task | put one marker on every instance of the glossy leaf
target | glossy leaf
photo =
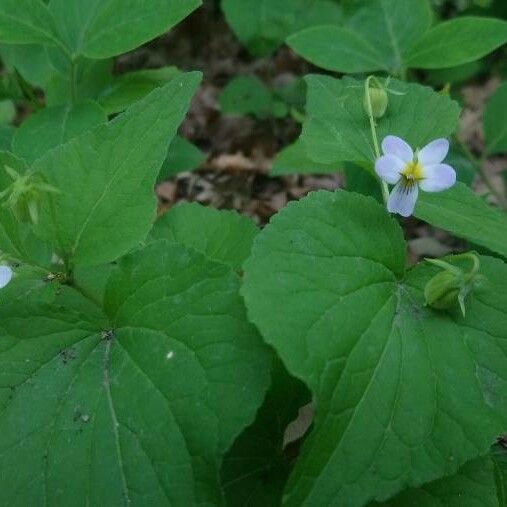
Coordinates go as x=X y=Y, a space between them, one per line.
x=337 y=127
x=458 y=41
x=53 y=127
x=105 y=28
x=480 y=223
x=221 y=235
x=404 y=394
x=106 y=202
x=117 y=403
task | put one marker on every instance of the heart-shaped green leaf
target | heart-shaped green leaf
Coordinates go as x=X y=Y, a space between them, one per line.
x=98 y=410
x=404 y=394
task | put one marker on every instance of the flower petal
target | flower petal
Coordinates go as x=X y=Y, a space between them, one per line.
x=434 y=152
x=392 y=145
x=402 y=198
x=437 y=177
x=389 y=167
x=5 y=276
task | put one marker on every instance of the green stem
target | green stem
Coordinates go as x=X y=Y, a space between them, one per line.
x=383 y=184
x=478 y=163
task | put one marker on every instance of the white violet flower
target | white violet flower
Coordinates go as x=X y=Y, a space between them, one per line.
x=408 y=172
x=5 y=275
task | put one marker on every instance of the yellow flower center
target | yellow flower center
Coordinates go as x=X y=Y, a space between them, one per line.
x=413 y=172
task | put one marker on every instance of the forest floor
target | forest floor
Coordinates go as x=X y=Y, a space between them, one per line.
x=240 y=149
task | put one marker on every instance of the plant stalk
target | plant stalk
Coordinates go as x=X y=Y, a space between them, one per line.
x=373 y=130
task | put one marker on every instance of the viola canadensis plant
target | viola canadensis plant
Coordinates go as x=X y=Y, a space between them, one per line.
x=196 y=358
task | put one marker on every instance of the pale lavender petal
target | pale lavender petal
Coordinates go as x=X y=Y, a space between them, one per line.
x=437 y=177
x=389 y=167
x=402 y=199
x=5 y=276
x=392 y=145
x=434 y=152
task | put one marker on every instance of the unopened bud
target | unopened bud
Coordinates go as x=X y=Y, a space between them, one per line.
x=442 y=291
x=451 y=286
x=378 y=100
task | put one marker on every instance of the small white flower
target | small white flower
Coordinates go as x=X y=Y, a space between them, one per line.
x=5 y=275
x=408 y=172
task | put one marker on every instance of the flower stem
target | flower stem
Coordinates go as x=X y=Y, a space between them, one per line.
x=383 y=184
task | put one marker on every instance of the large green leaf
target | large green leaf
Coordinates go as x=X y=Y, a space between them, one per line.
x=106 y=176
x=263 y=25
x=26 y=22
x=457 y=41
x=463 y=213
x=472 y=486
x=257 y=466
x=376 y=37
x=495 y=126
x=54 y=126
x=105 y=28
x=221 y=235
x=136 y=409
x=337 y=127
x=404 y=394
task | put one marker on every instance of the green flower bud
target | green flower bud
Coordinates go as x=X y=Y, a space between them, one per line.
x=442 y=291
x=378 y=100
x=451 y=286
